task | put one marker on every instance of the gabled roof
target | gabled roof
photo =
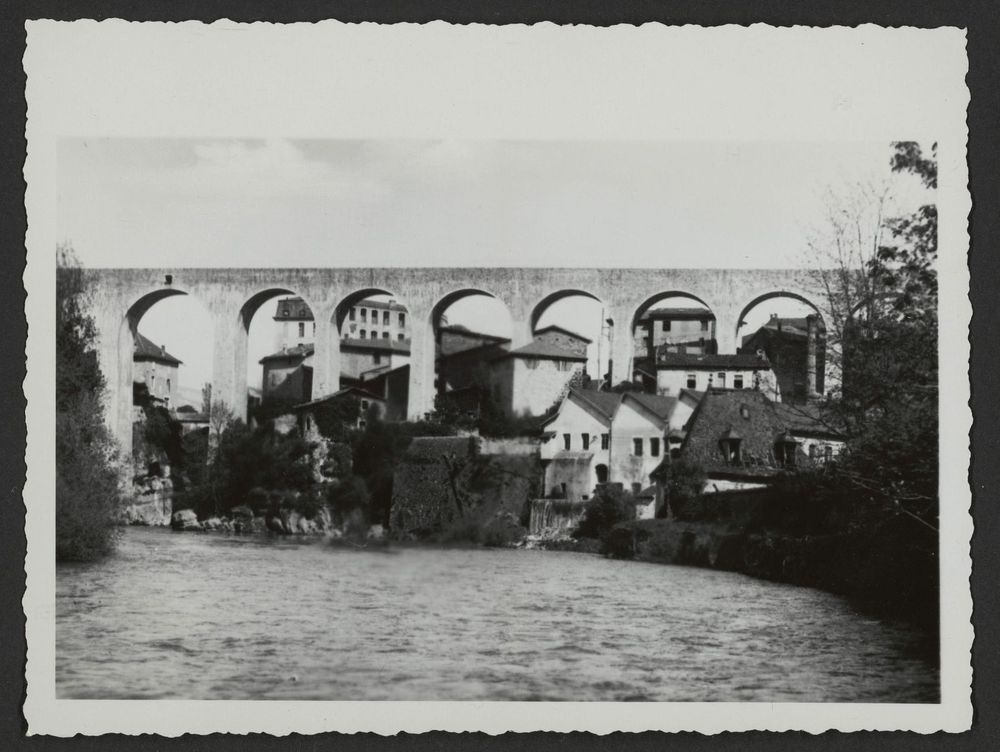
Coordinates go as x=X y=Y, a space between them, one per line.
x=746 y=415
x=376 y=345
x=146 y=349
x=605 y=404
x=660 y=406
x=337 y=395
x=809 y=419
x=542 y=351
x=745 y=361
x=555 y=328
x=303 y=350
x=677 y=314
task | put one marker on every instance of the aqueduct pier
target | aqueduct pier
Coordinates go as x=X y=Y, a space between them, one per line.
x=120 y=297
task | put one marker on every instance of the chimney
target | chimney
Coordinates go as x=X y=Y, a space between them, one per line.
x=811 y=357
x=163 y=349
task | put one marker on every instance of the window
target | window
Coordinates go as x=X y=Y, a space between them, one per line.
x=374 y=334
x=377 y=359
x=303 y=313
x=692 y=381
x=602 y=473
x=364 y=333
x=828 y=452
x=585 y=439
x=666 y=325
x=654 y=447
x=813 y=451
x=738 y=381
x=362 y=423
x=722 y=379
x=531 y=364
x=564 y=365
x=351 y=313
x=636 y=489
x=364 y=314
x=302 y=329
x=400 y=337
x=704 y=325
x=168 y=385
x=385 y=335
x=744 y=412
x=730 y=450
x=567 y=441
x=284 y=312
x=402 y=319
x=637 y=447
x=385 y=318
x=364 y=404
x=605 y=440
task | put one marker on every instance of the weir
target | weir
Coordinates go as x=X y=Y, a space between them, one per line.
x=120 y=297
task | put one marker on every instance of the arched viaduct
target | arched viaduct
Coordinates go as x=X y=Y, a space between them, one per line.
x=121 y=296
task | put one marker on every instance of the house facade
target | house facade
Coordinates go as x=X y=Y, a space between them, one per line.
x=287 y=375
x=676 y=371
x=689 y=330
x=156 y=369
x=796 y=349
x=531 y=379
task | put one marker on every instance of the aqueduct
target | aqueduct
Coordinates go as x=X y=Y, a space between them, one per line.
x=119 y=298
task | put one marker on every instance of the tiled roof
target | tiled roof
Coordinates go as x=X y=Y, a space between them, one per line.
x=605 y=403
x=676 y=360
x=661 y=406
x=337 y=395
x=555 y=328
x=379 y=345
x=543 y=350
x=747 y=415
x=677 y=313
x=299 y=351
x=292 y=309
x=146 y=349
x=809 y=419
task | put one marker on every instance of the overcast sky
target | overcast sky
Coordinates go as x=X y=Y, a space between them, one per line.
x=262 y=203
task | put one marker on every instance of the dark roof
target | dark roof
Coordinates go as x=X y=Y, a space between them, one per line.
x=605 y=403
x=666 y=359
x=292 y=309
x=146 y=349
x=299 y=351
x=337 y=395
x=472 y=340
x=809 y=420
x=677 y=314
x=185 y=417
x=661 y=406
x=554 y=327
x=790 y=328
x=491 y=348
x=744 y=414
x=380 y=345
x=542 y=350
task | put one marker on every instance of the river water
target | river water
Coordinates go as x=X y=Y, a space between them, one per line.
x=211 y=616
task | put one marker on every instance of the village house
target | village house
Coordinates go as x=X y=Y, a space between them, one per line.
x=531 y=379
x=741 y=440
x=368 y=319
x=796 y=349
x=817 y=432
x=357 y=407
x=288 y=375
x=597 y=438
x=676 y=371
x=156 y=370
x=682 y=330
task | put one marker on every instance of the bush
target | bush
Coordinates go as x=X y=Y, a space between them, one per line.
x=88 y=499
x=610 y=506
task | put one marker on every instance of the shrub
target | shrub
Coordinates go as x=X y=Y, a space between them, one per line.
x=610 y=506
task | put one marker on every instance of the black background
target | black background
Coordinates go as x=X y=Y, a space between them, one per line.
x=981 y=20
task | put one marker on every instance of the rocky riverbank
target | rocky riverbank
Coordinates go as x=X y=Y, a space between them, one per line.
x=242 y=520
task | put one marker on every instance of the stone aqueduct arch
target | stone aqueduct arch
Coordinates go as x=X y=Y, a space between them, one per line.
x=121 y=296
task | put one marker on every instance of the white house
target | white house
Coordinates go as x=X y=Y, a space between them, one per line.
x=677 y=371
x=530 y=379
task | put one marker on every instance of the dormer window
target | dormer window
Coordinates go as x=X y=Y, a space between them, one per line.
x=744 y=412
x=729 y=445
x=785 y=447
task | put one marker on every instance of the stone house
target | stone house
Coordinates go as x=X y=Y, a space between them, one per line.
x=156 y=369
x=741 y=372
x=690 y=330
x=819 y=433
x=796 y=349
x=741 y=440
x=366 y=406
x=288 y=375
x=531 y=379
x=368 y=319
x=606 y=437
x=563 y=339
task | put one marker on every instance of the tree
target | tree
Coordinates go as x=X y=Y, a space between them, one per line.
x=881 y=291
x=88 y=496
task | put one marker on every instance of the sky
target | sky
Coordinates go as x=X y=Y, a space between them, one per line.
x=260 y=203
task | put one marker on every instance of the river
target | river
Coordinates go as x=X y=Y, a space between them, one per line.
x=214 y=616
